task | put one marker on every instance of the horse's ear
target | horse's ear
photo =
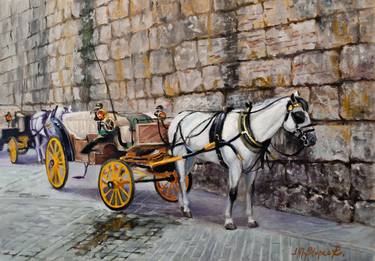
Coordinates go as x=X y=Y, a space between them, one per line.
x=54 y=111
x=292 y=97
x=69 y=109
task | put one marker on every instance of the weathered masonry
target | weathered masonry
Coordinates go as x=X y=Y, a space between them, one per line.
x=205 y=54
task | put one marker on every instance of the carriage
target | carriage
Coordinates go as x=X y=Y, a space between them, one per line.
x=17 y=135
x=131 y=148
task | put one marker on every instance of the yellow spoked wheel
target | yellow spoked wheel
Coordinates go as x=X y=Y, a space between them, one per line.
x=116 y=184
x=56 y=163
x=168 y=189
x=13 y=150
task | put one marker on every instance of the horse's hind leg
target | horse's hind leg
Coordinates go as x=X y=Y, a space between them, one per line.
x=182 y=195
x=234 y=178
x=250 y=178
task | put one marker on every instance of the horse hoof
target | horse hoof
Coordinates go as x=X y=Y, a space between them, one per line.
x=230 y=226
x=186 y=213
x=252 y=224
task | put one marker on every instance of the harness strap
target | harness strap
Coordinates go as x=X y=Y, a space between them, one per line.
x=247 y=134
x=215 y=135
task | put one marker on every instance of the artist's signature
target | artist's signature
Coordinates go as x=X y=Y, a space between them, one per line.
x=314 y=252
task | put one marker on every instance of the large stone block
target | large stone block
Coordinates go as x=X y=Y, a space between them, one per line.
x=128 y=71
x=121 y=27
x=142 y=21
x=330 y=178
x=194 y=26
x=331 y=208
x=171 y=85
x=220 y=23
x=358 y=100
x=167 y=12
x=316 y=68
x=365 y=213
x=358 y=62
x=324 y=102
x=251 y=45
x=212 y=51
x=296 y=174
x=209 y=101
x=154 y=38
x=366 y=25
x=326 y=7
x=157 y=86
x=102 y=52
x=362 y=145
x=186 y=55
x=190 y=81
x=201 y=6
x=292 y=38
x=275 y=12
x=139 y=42
x=119 y=48
x=138 y=6
x=223 y=5
x=338 y=30
x=141 y=66
x=118 y=9
x=161 y=61
x=364 y=4
x=171 y=34
x=332 y=143
x=101 y=15
x=302 y=9
x=268 y=73
x=105 y=35
x=212 y=77
x=363 y=181
x=250 y=17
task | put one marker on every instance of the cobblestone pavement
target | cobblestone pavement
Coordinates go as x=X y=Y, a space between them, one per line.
x=39 y=223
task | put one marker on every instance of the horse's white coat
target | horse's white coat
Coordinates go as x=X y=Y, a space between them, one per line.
x=264 y=124
x=40 y=133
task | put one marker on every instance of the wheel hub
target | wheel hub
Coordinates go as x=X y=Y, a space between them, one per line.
x=111 y=184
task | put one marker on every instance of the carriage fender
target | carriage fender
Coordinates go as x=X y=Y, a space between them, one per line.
x=63 y=136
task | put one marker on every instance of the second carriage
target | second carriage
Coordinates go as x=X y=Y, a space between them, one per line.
x=131 y=148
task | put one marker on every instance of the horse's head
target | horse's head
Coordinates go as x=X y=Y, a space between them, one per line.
x=59 y=111
x=297 y=120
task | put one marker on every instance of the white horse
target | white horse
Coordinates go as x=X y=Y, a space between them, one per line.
x=40 y=132
x=189 y=132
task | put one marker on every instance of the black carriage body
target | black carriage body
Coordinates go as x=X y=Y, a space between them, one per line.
x=15 y=132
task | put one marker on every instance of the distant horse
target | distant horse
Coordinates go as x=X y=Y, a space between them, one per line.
x=39 y=123
x=240 y=142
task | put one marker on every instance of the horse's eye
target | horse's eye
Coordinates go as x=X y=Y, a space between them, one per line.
x=298 y=117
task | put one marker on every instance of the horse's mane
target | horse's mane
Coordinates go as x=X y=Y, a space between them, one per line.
x=266 y=102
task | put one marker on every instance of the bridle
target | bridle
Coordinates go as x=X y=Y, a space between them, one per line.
x=301 y=131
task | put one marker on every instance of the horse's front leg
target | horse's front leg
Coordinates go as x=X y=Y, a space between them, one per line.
x=43 y=146
x=37 y=148
x=250 y=179
x=182 y=194
x=234 y=178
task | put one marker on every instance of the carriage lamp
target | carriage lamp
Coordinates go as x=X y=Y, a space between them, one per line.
x=8 y=118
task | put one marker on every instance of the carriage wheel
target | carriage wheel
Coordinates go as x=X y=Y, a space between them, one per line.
x=13 y=150
x=168 y=189
x=56 y=163
x=116 y=184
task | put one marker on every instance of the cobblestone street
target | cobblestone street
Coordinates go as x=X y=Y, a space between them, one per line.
x=39 y=223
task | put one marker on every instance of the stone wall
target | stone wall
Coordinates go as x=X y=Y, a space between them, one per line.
x=206 y=54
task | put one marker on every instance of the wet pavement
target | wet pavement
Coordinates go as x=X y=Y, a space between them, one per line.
x=40 y=223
